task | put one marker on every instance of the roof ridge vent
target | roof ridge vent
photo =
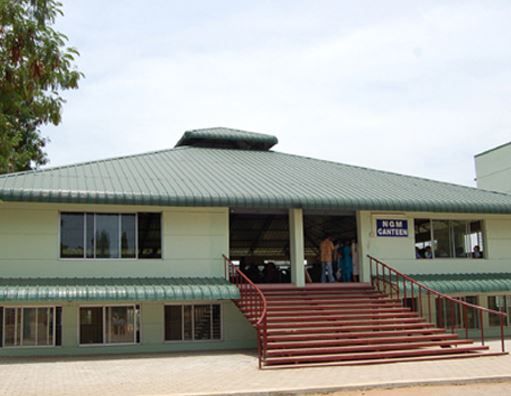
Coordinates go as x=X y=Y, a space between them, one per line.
x=227 y=138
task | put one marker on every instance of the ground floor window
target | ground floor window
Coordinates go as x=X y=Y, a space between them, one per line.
x=450 y=314
x=110 y=325
x=30 y=326
x=193 y=322
x=499 y=303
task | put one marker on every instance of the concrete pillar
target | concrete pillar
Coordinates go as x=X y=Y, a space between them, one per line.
x=363 y=239
x=296 y=247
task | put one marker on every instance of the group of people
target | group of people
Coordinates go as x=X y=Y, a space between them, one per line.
x=339 y=260
x=427 y=253
x=263 y=272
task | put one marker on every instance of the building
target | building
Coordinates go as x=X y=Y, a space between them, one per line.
x=125 y=255
x=493 y=169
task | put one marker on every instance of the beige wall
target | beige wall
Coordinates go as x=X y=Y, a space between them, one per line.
x=194 y=240
x=493 y=169
x=399 y=252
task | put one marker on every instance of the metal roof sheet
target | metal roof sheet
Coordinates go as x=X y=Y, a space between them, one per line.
x=115 y=289
x=468 y=283
x=205 y=176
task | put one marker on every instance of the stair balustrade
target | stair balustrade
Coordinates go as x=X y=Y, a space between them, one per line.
x=448 y=312
x=252 y=303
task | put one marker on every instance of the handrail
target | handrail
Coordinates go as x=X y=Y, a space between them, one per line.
x=394 y=278
x=252 y=303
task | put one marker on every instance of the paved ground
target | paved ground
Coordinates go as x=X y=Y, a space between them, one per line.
x=233 y=373
x=472 y=389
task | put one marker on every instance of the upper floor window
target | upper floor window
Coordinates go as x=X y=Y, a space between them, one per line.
x=448 y=239
x=110 y=235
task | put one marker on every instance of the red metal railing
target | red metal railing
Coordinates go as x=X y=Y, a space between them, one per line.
x=451 y=312
x=252 y=303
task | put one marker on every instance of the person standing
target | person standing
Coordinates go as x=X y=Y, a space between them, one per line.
x=326 y=249
x=346 y=263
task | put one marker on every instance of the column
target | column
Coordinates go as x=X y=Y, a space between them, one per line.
x=296 y=245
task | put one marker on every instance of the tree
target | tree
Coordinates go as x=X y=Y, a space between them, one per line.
x=35 y=66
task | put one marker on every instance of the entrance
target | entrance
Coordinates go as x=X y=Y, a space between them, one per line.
x=342 y=227
x=259 y=243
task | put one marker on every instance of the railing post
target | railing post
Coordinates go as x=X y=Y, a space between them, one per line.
x=429 y=306
x=482 y=328
x=453 y=317
x=502 y=332
x=413 y=298
x=420 y=303
x=404 y=291
x=371 y=271
x=465 y=319
x=377 y=265
x=397 y=284
x=440 y=313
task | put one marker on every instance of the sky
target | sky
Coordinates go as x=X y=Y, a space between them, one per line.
x=414 y=87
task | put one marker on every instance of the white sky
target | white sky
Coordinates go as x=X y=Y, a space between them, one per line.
x=406 y=86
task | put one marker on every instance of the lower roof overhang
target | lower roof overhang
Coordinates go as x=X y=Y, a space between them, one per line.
x=22 y=290
x=467 y=283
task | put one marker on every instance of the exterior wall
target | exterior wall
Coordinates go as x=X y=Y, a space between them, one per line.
x=193 y=242
x=400 y=252
x=493 y=169
x=237 y=333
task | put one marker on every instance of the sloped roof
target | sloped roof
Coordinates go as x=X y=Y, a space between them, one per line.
x=116 y=289
x=194 y=175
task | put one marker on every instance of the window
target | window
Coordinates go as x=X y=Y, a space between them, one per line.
x=499 y=303
x=109 y=325
x=110 y=235
x=193 y=322
x=448 y=239
x=30 y=326
x=450 y=314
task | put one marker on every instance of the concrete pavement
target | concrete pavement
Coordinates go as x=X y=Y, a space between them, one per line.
x=226 y=373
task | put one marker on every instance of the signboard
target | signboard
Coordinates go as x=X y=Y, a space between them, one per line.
x=391 y=228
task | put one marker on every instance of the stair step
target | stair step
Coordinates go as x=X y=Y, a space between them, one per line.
x=344 y=317
x=367 y=335
x=329 y=329
x=365 y=348
x=319 y=305
x=335 y=302
x=346 y=322
x=320 y=294
x=315 y=311
x=268 y=288
x=316 y=342
x=342 y=299
x=370 y=355
x=387 y=360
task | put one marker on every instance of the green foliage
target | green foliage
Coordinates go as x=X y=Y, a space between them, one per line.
x=35 y=66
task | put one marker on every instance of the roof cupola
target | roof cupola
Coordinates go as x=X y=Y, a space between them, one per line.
x=227 y=138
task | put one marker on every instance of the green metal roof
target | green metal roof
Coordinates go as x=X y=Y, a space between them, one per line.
x=115 y=289
x=209 y=176
x=227 y=138
x=466 y=283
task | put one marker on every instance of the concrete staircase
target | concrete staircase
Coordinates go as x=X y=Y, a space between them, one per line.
x=347 y=324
